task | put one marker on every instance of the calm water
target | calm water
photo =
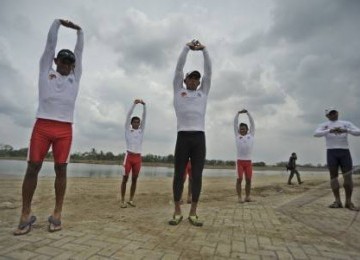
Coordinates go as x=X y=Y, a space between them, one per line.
x=17 y=168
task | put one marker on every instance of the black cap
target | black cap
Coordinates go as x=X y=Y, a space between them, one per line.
x=193 y=74
x=66 y=54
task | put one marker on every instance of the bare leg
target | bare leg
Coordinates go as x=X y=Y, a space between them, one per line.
x=238 y=189
x=133 y=187
x=247 y=189
x=189 y=191
x=193 y=208
x=334 y=183
x=123 y=187
x=60 y=188
x=28 y=188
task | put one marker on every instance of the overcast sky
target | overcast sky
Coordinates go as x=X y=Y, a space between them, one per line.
x=285 y=61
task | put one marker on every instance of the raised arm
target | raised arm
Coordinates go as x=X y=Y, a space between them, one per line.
x=128 y=116
x=48 y=55
x=78 y=54
x=143 y=119
x=236 y=123
x=252 y=124
x=206 y=80
x=179 y=70
x=79 y=46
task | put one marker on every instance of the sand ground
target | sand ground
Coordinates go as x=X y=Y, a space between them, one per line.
x=284 y=222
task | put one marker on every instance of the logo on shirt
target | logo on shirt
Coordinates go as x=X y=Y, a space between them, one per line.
x=52 y=76
x=71 y=80
x=183 y=94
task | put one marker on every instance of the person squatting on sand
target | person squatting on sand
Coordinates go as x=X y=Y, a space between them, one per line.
x=338 y=155
x=190 y=108
x=58 y=90
x=134 y=135
x=244 y=140
x=292 y=167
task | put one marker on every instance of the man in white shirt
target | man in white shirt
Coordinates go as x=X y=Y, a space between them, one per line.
x=190 y=108
x=338 y=155
x=244 y=144
x=58 y=90
x=134 y=134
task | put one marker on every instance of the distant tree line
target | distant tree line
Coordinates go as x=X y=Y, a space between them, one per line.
x=94 y=156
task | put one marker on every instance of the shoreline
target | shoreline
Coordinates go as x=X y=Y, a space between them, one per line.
x=168 y=165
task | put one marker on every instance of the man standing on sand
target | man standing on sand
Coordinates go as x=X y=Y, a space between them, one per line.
x=292 y=167
x=244 y=143
x=132 y=162
x=338 y=155
x=190 y=108
x=58 y=90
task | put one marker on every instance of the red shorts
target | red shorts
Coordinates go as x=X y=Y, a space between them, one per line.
x=52 y=133
x=244 y=166
x=132 y=162
x=187 y=170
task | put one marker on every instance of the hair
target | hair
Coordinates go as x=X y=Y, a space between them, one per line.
x=134 y=118
x=245 y=125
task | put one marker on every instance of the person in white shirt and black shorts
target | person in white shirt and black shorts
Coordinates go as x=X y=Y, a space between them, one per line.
x=338 y=155
x=190 y=108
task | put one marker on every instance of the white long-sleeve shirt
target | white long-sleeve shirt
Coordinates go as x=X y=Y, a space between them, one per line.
x=336 y=141
x=57 y=93
x=190 y=105
x=244 y=143
x=134 y=137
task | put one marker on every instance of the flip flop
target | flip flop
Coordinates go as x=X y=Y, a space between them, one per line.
x=54 y=224
x=25 y=227
x=335 y=205
x=352 y=207
x=194 y=220
x=175 y=220
x=131 y=203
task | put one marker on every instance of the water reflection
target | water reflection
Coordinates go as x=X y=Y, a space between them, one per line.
x=17 y=168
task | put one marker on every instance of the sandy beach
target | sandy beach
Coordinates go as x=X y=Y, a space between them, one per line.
x=284 y=222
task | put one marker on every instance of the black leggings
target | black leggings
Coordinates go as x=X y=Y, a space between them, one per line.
x=189 y=144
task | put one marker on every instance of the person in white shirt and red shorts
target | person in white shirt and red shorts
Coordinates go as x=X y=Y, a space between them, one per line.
x=244 y=140
x=58 y=90
x=134 y=134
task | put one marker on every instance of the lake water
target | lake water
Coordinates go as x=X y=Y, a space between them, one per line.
x=17 y=169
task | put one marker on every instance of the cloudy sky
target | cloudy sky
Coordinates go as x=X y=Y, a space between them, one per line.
x=285 y=61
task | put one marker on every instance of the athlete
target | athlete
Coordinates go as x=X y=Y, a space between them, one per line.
x=132 y=161
x=58 y=90
x=244 y=143
x=190 y=107
x=338 y=155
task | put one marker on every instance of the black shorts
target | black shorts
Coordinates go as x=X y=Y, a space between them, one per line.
x=339 y=157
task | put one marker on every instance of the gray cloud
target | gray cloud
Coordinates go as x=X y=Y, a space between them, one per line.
x=285 y=61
